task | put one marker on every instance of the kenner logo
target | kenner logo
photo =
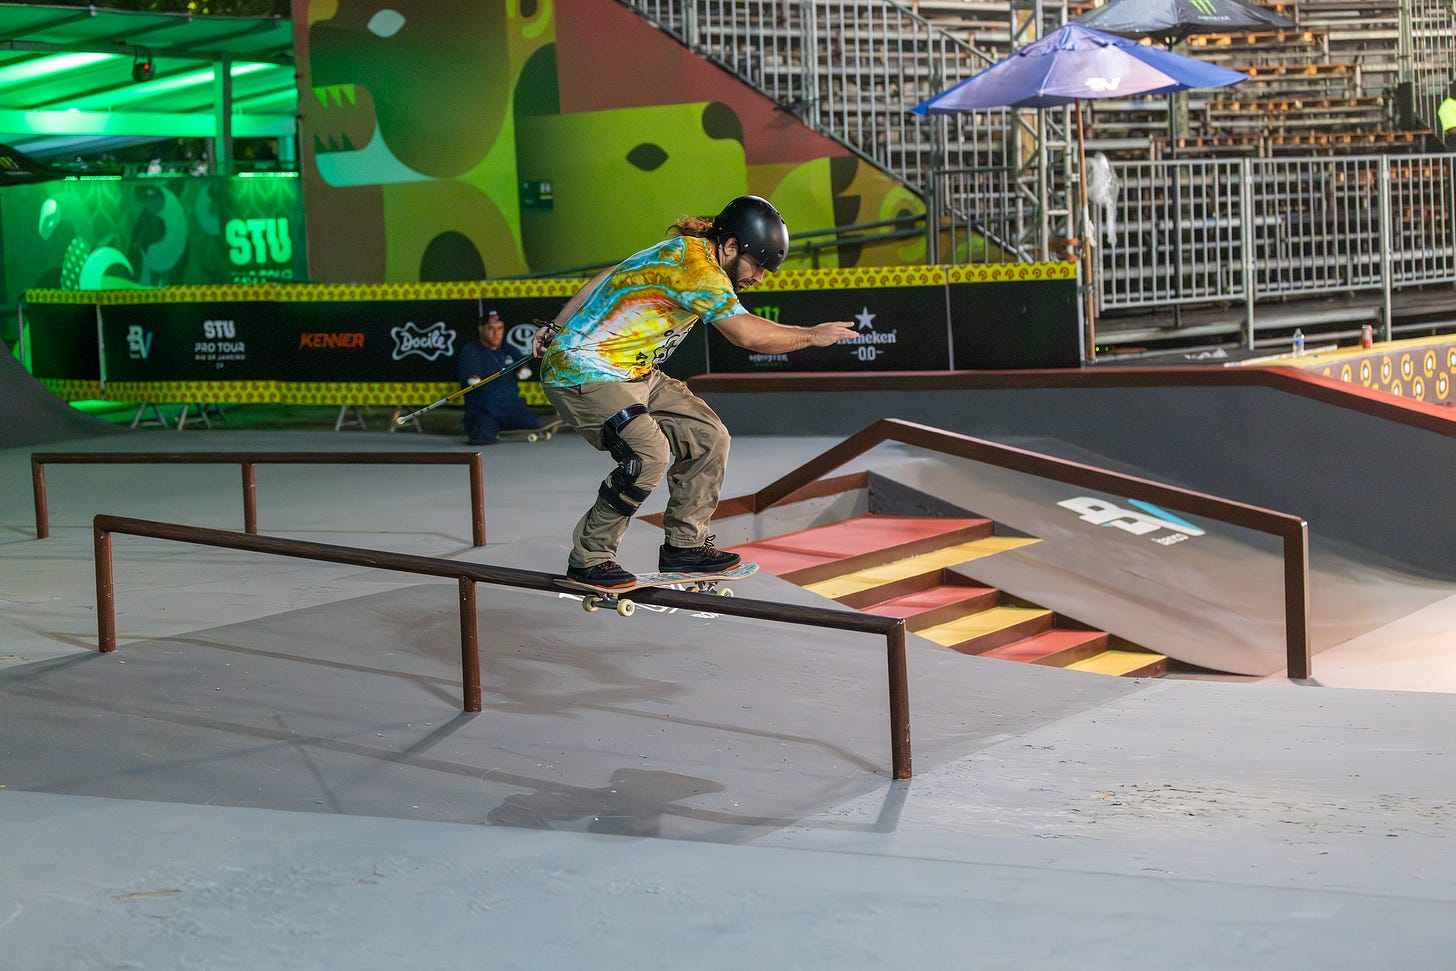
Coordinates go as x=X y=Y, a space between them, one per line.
x=1150 y=519
x=428 y=343
x=138 y=342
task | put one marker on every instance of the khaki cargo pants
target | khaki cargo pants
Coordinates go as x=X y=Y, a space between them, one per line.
x=679 y=437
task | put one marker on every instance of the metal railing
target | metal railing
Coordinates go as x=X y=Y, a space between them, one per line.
x=1243 y=230
x=1186 y=231
x=39 y=460
x=1291 y=530
x=469 y=574
x=846 y=68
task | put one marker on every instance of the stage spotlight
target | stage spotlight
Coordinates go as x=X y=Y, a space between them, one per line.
x=142 y=68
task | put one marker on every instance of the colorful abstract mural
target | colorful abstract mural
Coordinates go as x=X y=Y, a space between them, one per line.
x=496 y=138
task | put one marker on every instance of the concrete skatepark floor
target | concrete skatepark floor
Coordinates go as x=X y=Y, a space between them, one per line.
x=273 y=770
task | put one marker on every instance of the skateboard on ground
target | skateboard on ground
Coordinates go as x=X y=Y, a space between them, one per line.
x=542 y=433
x=615 y=598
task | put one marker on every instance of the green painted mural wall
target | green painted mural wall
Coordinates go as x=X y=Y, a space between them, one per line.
x=432 y=130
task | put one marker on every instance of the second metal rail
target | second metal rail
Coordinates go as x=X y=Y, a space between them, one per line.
x=1293 y=531
x=248 y=460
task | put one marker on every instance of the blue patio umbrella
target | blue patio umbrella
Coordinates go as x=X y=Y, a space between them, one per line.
x=1067 y=66
x=1073 y=63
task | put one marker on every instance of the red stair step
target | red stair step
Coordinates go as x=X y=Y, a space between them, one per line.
x=1056 y=648
x=842 y=544
x=935 y=605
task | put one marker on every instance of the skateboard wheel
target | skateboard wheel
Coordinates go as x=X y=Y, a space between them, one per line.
x=625 y=607
x=547 y=436
x=532 y=437
x=726 y=592
x=589 y=604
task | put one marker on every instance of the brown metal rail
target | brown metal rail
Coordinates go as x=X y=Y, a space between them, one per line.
x=469 y=574
x=1293 y=530
x=39 y=460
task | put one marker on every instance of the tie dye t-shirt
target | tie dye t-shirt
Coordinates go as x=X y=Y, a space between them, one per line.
x=639 y=314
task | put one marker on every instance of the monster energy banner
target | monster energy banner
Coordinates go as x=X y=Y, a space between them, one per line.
x=17 y=168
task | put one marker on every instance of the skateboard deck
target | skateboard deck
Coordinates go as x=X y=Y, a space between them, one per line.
x=541 y=433
x=692 y=582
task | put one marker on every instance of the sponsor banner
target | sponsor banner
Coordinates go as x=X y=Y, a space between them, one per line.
x=901 y=328
x=1005 y=324
x=61 y=342
x=405 y=341
x=184 y=342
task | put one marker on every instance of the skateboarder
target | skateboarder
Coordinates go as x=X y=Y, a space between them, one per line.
x=497 y=406
x=600 y=372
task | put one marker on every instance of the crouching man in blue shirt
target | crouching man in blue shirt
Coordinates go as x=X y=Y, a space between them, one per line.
x=498 y=406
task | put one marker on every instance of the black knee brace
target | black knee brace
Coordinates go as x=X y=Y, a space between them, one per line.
x=620 y=490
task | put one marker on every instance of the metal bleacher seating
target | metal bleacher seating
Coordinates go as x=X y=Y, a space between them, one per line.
x=1324 y=84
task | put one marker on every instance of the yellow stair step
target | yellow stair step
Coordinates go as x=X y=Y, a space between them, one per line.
x=1119 y=663
x=980 y=624
x=841 y=586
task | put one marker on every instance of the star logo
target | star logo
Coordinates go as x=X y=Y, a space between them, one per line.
x=866 y=319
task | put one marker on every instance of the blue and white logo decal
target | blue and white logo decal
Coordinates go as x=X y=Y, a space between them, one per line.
x=1143 y=519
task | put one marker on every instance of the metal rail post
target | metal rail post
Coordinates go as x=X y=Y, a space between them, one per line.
x=105 y=594
x=469 y=645
x=477 y=500
x=38 y=490
x=250 y=499
x=899 y=702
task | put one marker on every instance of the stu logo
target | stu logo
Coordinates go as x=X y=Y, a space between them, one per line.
x=258 y=241
x=432 y=342
x=1146 y=518
x=138 y=342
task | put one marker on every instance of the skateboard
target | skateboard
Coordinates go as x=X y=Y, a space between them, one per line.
x=597 y=597
x=543 y=433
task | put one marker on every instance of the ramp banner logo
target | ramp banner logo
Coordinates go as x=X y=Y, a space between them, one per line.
x=430 y=343
x=1144 y=519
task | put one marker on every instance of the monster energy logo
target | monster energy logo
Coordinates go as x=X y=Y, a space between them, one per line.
x=1204 y=7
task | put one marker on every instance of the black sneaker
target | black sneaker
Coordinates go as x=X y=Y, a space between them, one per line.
x=608 y=575
x=696 y=559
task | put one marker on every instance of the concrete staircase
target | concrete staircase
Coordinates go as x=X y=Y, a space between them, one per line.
x=900 y=566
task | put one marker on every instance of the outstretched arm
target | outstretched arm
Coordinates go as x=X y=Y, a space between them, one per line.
x=765 y=336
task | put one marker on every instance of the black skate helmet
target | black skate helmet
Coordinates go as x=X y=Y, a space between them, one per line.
x=758 y=227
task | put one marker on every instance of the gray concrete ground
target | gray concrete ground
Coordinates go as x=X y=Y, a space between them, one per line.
x=273 y=770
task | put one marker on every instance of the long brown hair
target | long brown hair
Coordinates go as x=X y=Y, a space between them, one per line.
x=699 y=226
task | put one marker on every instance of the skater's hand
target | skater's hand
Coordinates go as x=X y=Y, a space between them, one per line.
x=822 y=335
x=545 y=334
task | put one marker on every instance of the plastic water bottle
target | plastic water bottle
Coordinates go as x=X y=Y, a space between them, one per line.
x=1298 y=342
